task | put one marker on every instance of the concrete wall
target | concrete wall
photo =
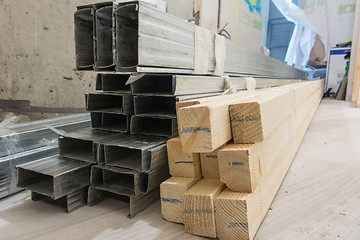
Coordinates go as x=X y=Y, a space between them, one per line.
x=37 y=58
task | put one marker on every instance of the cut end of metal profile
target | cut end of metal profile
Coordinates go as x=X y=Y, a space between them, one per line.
x=78 y=149
x=154 y=85
x=155 y=106
x=53 y=177
x=84 y=48
x=137 y=152
x=113 y=82
x=84 y=145
x=119 y=180
x=104 y=39
x=109 y=102
x=127 y=22
x=123 y=157
x=69 y=202
x=110 y=122
x=137 y=204
x=166 y=127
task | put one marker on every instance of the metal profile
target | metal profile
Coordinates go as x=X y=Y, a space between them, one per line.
x=111 y=122
x=148 y=40
x=8 y=163
x=161 y=106
x=70 y=202
x=137 y=152
x=155 y=106
x=136 y=203
x=54 y=177
x=157 y=126
x=109 y=102
x=178 y=85
x=84 y=43
x=83 y=145
x=113 y=82
x=125 y=181
x=103 y=36
x=26 y=136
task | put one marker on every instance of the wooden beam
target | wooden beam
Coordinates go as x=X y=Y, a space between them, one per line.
x=210 y=164
x=243 y=166
x=172 y=193
x=199 y=212
x=182 y=164
x=354 y=50
x=253 y=119
x=239 y=215
x=205 y=127
x=356 y=87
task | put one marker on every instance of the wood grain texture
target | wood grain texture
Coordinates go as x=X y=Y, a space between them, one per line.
x=205 y=127
x=210 y=164
x=356 y=87
x=199 y=212
x=182 y=164
x=253 y=119
x=239 y=215
x=243 y=166
x=354 y=49
x=172 y=193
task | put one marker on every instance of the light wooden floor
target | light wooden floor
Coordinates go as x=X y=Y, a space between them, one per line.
x=319 y=198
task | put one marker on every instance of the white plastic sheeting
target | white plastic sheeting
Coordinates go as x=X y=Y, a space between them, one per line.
x=303 y=38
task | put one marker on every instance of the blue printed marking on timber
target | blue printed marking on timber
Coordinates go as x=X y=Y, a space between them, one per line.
x=236 y=163
x=248 y=118
x=171 y=200
x=195 y=129
x=254 y=5
x=237 y=224
x=211 y=156
x=186 y=162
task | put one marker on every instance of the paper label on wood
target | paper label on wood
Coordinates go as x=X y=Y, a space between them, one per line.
x=220 y=52
x=202 y=50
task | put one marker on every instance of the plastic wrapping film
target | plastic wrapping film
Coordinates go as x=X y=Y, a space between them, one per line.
x=230 y=88
x=30 y=141
x=303 y=37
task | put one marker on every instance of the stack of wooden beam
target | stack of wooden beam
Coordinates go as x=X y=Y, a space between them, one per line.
x=232 y=155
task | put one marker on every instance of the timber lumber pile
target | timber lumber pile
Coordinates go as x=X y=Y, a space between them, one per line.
x=246 y=142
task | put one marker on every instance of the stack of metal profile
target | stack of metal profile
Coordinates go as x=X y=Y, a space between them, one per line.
x=55 y=180
x=30 y=141
x=125 y=166
x=131 y=36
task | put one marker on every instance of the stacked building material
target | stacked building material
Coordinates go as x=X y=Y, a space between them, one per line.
x=246 y=143
x=141 y=53
x=128 y=167
x=30 y=141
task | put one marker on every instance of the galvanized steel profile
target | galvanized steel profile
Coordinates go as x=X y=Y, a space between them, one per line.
x=158 y=126
x=148 y=40
x=138 y=152
x=54 y=177
x=70 y=202
x=137 y=203
x=83 y=145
